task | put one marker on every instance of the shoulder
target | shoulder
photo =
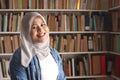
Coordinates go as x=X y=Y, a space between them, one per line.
x=16 y=56
x=55 y=53
x=53 y=50
x=17 y=53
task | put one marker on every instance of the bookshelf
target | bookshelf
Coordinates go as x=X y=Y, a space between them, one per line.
x=115 y=10
x=101 y=34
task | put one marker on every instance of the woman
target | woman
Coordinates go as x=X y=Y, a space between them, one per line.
x=35 y=59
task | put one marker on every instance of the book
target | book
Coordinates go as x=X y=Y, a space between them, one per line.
x=14 y=23
x=15 y=42
x=109 y=65
x=81 y=73
x=0 y=22
x=82 y=22
x=68 y=37
x=11 y=4
x=96 y=65
x=103 y=64
x=3 y=4
x=87 y=23
x=85 y=47
x=15 y=4
x=70 y=67
x=7 y=44
x=90 y=63
x=46 y=2
x=1 y=45
x=78 y=43
x=3 y=65
x=18 y=22
x=90 y=43
x=115 y=42
x=79 y=23
x=23 y=4
x=77 y=66
x=99 y=39
x=73 y=66
x=104 y=42
x=84 y=66
x=78 y=4
x=107 y=21
x=65 y=66
x=83 y=4
x=119 y=43
x=7 y=67
x=5 y=22
x=10 y=21
x=116 y=69
x=20 y=4
x=93 y=4
x=1 y=74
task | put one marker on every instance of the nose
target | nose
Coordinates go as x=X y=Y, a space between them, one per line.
x=39 y=29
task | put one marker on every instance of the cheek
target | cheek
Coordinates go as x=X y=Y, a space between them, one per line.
x=32 y=34
x=47 y=29
x=47 y=32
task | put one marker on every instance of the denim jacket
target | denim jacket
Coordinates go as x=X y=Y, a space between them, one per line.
x=33 y=71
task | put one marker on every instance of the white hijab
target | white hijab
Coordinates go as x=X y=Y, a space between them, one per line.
x=28 y=49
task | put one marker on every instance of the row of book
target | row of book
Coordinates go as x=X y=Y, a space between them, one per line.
x=4 y=65
x=116 y=68
x=10 y=22
x=79 y=42
x=79 y=66
x=116 y=21
x=115 y=43
x=102 y=78
x=114 y=3
x=69 y=42
x=63 y=43
x=86 y=65
x=54 y=4
x=80 y=22
x=9 y=44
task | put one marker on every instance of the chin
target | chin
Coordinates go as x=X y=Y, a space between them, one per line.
x=40 y=41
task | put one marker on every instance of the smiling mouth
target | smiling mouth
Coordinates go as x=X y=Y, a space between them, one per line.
x=41 y=35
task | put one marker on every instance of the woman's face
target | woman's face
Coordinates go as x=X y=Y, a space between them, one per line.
x=39 y=30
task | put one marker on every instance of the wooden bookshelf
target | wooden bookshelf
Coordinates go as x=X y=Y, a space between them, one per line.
x=51 y=10
x=5 y=55
x=116 y=78
x=4 y=79
x=93 y=12
x=115 y=53
x=86 y=77
x=115 y=10
x=114 y=32
x=61 y=32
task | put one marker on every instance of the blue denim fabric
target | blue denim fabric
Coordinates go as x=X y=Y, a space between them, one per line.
x=33 y=71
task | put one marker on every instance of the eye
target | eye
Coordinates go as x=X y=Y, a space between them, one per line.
x=34 y=26
x=43 y=24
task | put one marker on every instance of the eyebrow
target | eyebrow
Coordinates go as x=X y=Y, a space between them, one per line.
x=34 y=24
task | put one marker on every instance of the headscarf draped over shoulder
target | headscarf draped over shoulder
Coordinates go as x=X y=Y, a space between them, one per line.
x=25 y=40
